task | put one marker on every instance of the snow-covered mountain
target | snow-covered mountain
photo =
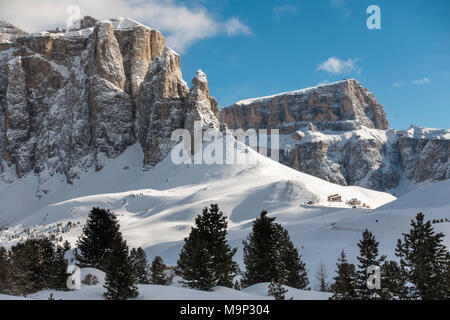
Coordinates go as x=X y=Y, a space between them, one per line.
x=339 y=132
x=9 y=32
x=68 y=100
x=98 y=134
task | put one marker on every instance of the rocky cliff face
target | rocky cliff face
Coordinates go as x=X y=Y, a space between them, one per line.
x=10 y=33
x=338 y=132
x=342 y=105
x=68 y=100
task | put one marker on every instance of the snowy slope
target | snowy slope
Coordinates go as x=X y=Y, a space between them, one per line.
x=156 y=208
x=174 y=292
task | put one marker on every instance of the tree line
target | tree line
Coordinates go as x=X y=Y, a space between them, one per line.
x=421 y=272
x=206 y=261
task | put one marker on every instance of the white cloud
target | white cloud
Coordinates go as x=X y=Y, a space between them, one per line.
x=323 y=82
x=284 y=9
x=234 y=27
x=413 y=82
x=342 y=5
x=420 y=81
x=181 y=25
x=337 y=66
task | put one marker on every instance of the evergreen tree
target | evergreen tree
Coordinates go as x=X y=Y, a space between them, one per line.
x=262 y=255
x=99 y=232
x=202 y=276
x=5 y=272
x=158 y=271
x=26 y=267
x=393 y=283
x=139 y=260
x=322 y=278
x=120 y=279
x=423 y=261
x=270 y=254
x=296 y=275
x=277 y=291
x=368 y=248
x=344 y=287
x=446 y=277
x=61 y=264
x=207 y=240
x=36 y=265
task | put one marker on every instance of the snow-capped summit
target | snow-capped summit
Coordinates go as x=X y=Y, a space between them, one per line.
x=9 y=32
x=108 y=85
x=339 y=132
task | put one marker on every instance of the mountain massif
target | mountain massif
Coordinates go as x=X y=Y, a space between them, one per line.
x=339 y=132
x=69 y=100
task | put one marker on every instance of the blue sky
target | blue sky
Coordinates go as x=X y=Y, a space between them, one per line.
x=251 y=48
x=406 y=64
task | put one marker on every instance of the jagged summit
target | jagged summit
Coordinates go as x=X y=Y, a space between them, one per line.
x=71 y=99
x=9 y=32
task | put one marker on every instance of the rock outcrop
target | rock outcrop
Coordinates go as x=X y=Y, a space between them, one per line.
x=338 y=132
x=342 y=105
x=70 y=100
x=10 y=33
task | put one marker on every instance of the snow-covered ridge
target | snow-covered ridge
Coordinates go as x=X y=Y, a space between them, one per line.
x=290 y=93
x=425 y=133
x=121 y=23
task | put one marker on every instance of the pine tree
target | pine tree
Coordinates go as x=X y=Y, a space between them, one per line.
x=344 y=287
x=208 y=240
x=423 y=260
x=139 y=260
x=120 y=279
x=277 y=291
x=26 y=264
x=98 y=234
x=393 y=283
x=446 y=278
x=158 y=272
x=37 y=264
x=270 y=254
x=262 y=255
x=321 y=277
x=368 y=248
x=57 y=271
x=5 y=272
x=296 y=275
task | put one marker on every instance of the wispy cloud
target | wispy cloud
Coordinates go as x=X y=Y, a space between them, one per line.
x=417 y=82
x=181 y=25
x=234 y=26
x=420 y=81
x=342 y=5
x=337 y=66
x=323 y=82
x=279 y=11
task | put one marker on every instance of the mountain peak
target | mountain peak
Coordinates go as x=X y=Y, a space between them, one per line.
x=9 y=32
x=345 y=104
